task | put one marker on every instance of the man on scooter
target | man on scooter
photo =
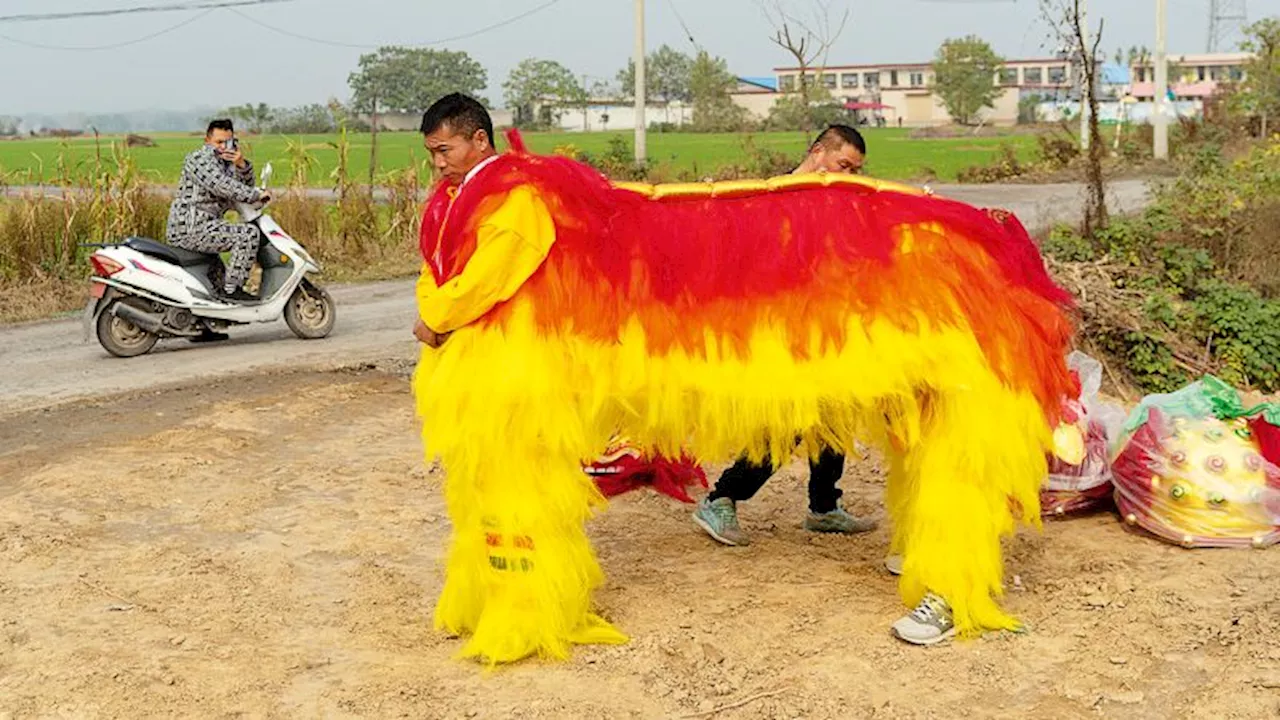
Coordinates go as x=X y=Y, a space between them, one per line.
x=214 y=178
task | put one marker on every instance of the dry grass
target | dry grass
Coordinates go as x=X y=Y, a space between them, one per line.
x=38 y=298
x=1109 y=304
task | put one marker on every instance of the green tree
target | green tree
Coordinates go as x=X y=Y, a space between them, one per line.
x=408 y=80
x=666 y=75
x=304 y=119
x=253 y=118
x=710 y=83
x=1259 y=93
x=1027 y=108
x=794 y=112
x=964 y=72
x=544 y=87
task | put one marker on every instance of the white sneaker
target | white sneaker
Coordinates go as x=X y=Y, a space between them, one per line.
x=929 y=624
x=893 y=564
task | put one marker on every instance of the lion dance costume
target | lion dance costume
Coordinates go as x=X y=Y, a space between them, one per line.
x=1080 y=467
x=1198 y=468
x=715 y=319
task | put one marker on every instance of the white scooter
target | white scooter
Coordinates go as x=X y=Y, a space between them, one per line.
x=143 y=290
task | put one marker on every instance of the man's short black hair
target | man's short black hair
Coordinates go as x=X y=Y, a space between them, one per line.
x=836 y=135
x=219 y=124
x=464 y=115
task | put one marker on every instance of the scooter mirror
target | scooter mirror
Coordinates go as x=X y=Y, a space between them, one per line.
x=266 y=175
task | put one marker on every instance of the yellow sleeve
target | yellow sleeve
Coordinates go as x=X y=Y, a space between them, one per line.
x=510 y=246
x=426 y=285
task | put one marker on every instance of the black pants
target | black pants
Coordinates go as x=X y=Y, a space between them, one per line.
x=744 y=480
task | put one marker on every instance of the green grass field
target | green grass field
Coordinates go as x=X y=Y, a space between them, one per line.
x=892 y=154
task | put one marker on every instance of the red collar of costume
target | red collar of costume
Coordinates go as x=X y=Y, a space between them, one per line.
x=447 y=239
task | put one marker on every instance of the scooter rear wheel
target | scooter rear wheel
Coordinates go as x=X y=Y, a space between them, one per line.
x=121 y=337
x=310 y=312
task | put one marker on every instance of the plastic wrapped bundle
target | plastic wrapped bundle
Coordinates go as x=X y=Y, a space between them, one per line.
x=1080 y=467
x=1199 y=469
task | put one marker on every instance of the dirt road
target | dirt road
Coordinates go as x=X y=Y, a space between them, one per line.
x=229 y=540
x=270 y=547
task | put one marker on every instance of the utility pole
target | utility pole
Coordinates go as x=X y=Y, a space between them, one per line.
x=1086 y=50
x=373 y=147
x=640 y=82
x=1160 y=119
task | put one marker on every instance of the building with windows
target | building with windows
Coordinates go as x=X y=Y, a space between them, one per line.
x=902 y=94
x=1191 y=77
x=756 y=94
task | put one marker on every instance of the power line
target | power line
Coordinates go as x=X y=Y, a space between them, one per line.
x=209 y=8
x=359 y=46
x=176 y=7
x=687 y=32
x=112 y=46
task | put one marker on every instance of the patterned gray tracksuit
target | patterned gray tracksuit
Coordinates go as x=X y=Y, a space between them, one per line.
x=210 y=187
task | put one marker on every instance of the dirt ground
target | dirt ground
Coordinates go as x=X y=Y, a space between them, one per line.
x=270 y=547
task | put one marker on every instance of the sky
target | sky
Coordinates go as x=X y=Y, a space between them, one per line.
x=221 y=58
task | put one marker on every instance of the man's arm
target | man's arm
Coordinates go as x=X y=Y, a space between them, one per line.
x=425 y=286
x=245 y=173
x=511 y=245
x=206 y=171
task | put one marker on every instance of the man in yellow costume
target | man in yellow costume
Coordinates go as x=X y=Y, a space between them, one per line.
x=557 y=309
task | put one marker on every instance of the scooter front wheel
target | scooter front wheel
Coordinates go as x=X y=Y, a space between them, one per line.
x=310 y=312
x=121 y=337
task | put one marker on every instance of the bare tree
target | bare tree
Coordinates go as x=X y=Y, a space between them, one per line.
x=1066 y=18
x=807 y=40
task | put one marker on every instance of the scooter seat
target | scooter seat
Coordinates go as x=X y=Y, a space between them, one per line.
x=169 y=253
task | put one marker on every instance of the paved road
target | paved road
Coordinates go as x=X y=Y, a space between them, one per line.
x=1039 y=206
x=47 y=363
x=1035 y=205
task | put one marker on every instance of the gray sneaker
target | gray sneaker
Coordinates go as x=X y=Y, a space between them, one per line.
x=719 y=518
x=893 y=564
x=838 y=521
x=929 y=624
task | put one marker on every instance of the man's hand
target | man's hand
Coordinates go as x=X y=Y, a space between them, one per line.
x=264 y=197
x=235 y=157
x=428 y=336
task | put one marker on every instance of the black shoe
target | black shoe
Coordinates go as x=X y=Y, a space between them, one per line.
x=209 y=336
x=238 y=296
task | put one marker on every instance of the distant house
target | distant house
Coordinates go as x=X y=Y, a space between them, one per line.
x=1193 y=77
x=1115 y=81
x=756 y=94
x=1128 y=93
x=902 y=93
x=620 y=114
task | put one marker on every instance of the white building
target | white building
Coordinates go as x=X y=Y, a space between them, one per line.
x=621 y=115
x=902 y=93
